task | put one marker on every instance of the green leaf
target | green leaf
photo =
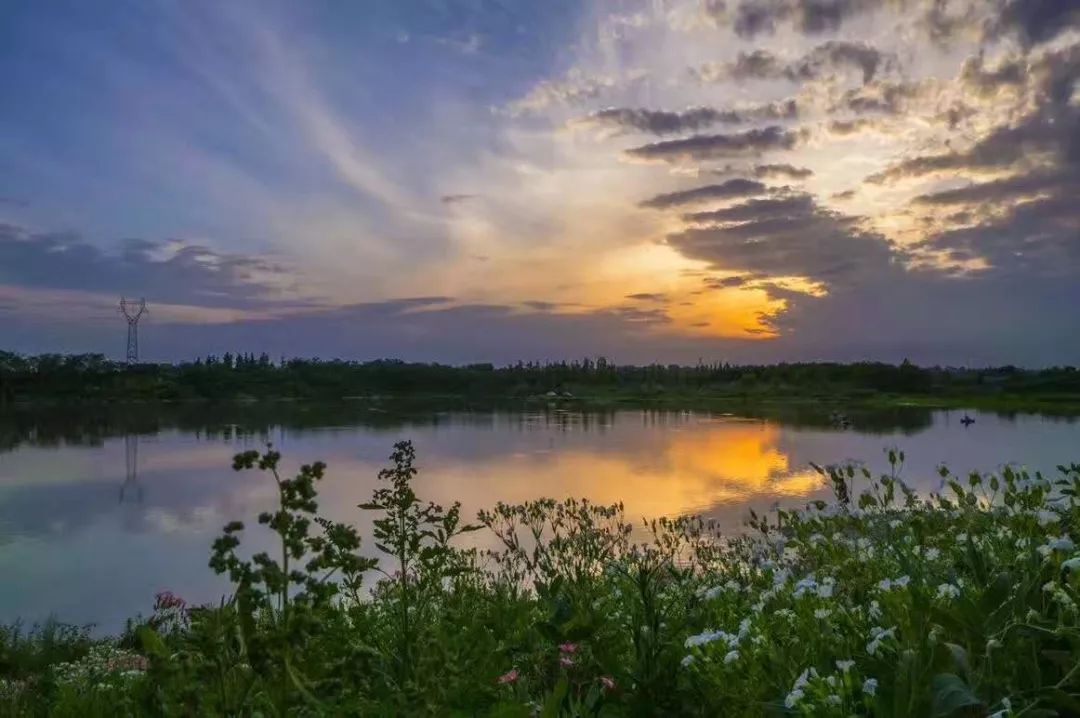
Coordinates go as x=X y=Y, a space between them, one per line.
x=953 y=697
x=151 y=642
x=553 y=705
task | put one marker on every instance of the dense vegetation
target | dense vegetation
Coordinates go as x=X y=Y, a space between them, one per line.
x=881 y=603
x=92 y=377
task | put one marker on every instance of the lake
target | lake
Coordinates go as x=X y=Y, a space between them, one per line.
x=102 y=508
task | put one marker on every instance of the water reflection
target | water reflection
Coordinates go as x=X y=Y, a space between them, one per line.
x=131 y=487
x=68 y=546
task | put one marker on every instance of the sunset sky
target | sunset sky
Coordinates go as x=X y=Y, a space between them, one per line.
x=493 y=180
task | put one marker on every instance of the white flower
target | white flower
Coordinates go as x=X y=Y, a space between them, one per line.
x=1072 y=564
x=869 y=686
x=792 y=698
x=932 y=554
x=822 y=613
x=1062 y=543
x=948 y=590
x=875 y=611
x=884 y=584
x=895 y=524
x=731 y=657
x=687 y=660
x=834 y=700
x=828 y=585
x=1046 y=517
x=961 y=537
x=733 y=585
x=902 y=581
x=804 y=585
x=845 y=666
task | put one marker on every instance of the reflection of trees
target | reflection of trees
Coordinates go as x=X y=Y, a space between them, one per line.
x=91 y=425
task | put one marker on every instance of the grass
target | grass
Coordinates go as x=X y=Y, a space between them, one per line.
x=882 y=602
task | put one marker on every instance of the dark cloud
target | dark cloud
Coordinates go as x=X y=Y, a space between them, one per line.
x=648 y=297
x=792 y=206
x=803 y=240
x=180 y=274
x=1038 y=21
x=987 y=82
x=1040 y=137
x=819 y=62
x=782 y=170
x=456 y=198
x=705 y=147
x=732 y=188
x=751 y=18
x=885 y=97
x=998 y=191
x=661 y=122
x=540 y=305
x=733 y=282
x=837 y=54
x=851 y=127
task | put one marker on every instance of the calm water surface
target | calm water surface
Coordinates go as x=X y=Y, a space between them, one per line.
x=101 y=509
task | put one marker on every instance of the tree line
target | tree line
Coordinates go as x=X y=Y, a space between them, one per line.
x=89 y=377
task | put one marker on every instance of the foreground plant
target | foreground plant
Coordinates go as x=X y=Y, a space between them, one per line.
x=884 y=602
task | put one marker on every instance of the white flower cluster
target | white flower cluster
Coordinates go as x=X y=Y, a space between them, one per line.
x=878 y=635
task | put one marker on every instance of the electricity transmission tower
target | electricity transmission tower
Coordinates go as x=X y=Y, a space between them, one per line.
x=132 y=310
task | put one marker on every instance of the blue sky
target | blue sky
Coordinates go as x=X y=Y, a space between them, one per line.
x=665 y=180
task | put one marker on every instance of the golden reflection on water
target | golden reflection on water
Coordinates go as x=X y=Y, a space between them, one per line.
x=664 y=473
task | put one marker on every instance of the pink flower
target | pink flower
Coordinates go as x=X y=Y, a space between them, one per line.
x=510 y=676
x=608 y=682
x=167 y=599
x=567 y=647
x=566 y=661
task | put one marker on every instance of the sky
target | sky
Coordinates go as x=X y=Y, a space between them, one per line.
x=500 y=180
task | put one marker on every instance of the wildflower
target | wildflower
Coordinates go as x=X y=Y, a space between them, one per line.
x=822 y=613
x=828 y=585
x=961 y=537
x=792 y=698
x=733 y=585
x=895 y=524
x=845 y=666
x=567 y=647
x=932 y=554
x=607 y=682
x=1046 y=517
x=948 y=591
x=687 y=660
x=566 y=661
x=869 y=686
x=510 y=676
x=834 y=700
x=875 y=611
x=805 y=585
x=902 y=581
x=1062 y=543
x=731 y=657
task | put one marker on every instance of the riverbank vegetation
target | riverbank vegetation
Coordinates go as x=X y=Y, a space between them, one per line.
x=88 y=378
x=882 y=602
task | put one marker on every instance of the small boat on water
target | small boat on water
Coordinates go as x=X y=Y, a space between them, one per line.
x=967 y=420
